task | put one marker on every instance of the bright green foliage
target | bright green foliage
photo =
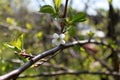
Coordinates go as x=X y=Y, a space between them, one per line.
x=38 y=40
x=29 y=26
x=14 y=48
x=20 y=42
x=16 y=45
x=57 y=4
x=10 y=21
x=39 y=35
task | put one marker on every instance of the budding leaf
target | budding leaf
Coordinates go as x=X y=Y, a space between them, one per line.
x=47 y=9
x=19 y=42
x=17 y=45
x=12 y=47
x=91 y=34
x=57 y=4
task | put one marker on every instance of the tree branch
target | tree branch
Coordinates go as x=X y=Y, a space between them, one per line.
x=15 y=73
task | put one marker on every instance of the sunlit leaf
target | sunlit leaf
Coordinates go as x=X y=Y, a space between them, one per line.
x=10 y=21
x=67 y=37
x=29 y=26
x=39 y=35
x=19 y=43
x=12 y=47
x=57 y=4
x=3 y=68
x=82 y=49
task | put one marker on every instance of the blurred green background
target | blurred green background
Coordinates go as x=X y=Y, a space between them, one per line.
x=23 y=16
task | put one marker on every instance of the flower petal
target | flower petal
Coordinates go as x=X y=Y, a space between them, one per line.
x=54 y=41
x=62 y=36
x=55 y=36
x=62 y=42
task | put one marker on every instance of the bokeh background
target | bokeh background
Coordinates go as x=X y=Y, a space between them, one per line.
x=23 y=16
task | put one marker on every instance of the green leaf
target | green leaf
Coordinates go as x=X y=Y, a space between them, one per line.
x=16 y=45
x=19 y=43
x=47 y=9
x=57 y=4
x=80 y=17
x=12 y=47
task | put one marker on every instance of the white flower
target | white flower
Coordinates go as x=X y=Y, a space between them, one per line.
x=58 y=39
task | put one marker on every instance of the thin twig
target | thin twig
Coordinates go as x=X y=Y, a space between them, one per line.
x=15 y=28
x=103 y=63
x=59 y=73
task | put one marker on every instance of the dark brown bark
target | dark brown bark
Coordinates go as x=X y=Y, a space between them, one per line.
x=113 y=20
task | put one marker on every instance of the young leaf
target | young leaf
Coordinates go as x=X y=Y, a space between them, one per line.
x=19 y=43
x=12 y=47
x=80 y=17
x=47 y=9
x=91 y=34
x=57 y=4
